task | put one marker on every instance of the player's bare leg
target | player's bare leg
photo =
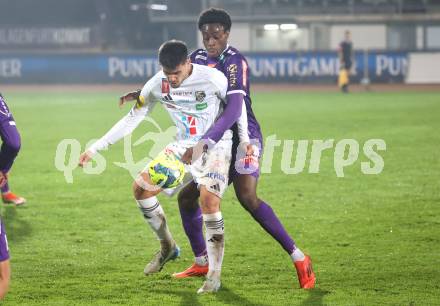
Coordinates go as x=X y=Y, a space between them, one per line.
x=215 y=242
x=145 y=194
x=245 y=186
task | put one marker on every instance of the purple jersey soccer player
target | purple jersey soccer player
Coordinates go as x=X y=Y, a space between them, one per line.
x=5 y=271
x=215 y=25
x=9 y=150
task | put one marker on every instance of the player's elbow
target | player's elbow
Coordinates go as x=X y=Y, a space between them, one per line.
x=13 y=145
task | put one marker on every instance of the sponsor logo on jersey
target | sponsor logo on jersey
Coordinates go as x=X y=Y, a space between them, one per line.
x=232 y=69
x=182 y=93
x=201 y=106
x=200 y=96
x=190 y=125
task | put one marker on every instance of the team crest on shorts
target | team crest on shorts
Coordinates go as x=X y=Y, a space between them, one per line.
x=200 y=96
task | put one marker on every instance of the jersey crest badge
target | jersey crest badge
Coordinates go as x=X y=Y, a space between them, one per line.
x=200 y=96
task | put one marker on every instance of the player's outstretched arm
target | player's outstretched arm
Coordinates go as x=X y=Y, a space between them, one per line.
x=129 y=96
x=228 y=117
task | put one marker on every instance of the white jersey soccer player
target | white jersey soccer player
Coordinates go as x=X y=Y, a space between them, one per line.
x=192 y=95
x=193 y=107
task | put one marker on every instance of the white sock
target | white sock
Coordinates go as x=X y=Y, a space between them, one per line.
x=155 y=217
x=297 y=255
x=215 y=242
x=201 y=260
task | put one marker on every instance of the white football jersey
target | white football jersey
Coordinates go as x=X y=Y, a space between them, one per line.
x=193 y=106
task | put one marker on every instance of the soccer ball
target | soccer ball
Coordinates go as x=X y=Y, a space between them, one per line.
x=166 y=170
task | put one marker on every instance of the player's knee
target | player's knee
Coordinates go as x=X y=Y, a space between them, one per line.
x=186 y=200
x=188 y=197
x=140 y=193
x=137 y=190
x=143 y=188
x=210 y=202
x=248 y=199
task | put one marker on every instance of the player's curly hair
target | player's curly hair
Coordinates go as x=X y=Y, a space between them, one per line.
x=215 y=15
x=172 y=53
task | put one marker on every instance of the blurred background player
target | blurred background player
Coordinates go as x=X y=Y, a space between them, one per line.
x=5 y=270
x=10 y=146
x=214 y=25
x=345 y=53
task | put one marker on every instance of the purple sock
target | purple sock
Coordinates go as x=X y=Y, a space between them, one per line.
x=269 y=221
x=5 y=188
x=192 y=222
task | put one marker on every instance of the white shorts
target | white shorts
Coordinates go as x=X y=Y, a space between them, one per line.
x=212 y=168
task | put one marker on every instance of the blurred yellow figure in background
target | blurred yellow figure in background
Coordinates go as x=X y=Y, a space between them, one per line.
x=345 y=53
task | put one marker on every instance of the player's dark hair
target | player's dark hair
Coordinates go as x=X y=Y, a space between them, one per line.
x=215 y=15
x=172 y=53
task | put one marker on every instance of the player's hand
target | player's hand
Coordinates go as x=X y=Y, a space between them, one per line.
x=3 y=178
x=187 y=156
x=194 y=153
x=129 y=96
x=250 y=150
x=246 y=149
x=84 y=158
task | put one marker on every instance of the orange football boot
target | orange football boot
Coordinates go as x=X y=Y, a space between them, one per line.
x=11 y=198
x=194 y=270
x=306 y=276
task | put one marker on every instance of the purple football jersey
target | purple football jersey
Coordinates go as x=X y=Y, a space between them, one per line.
x=4 y=250
x=235 y=67
x=9 y=136
x=4 y=110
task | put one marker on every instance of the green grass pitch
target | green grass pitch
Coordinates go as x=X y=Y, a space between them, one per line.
x=374 y=239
